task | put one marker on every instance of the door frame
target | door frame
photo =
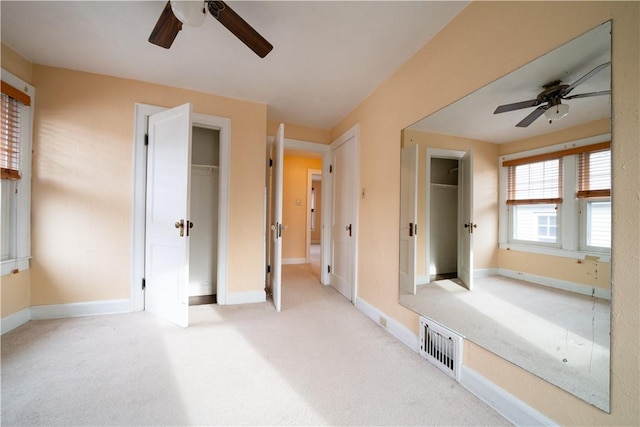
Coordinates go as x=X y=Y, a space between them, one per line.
x=324 y=150
x=310 y=174
x=141 y=114
x=440 y=153
x=351 y=136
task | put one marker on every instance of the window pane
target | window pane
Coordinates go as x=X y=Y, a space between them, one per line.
x=539 y=180
x=535 y=223
x=8 y=218
x=599 y=224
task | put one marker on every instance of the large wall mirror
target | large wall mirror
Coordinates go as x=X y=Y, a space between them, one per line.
x=505 y=233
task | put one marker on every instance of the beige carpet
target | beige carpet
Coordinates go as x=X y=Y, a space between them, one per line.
x=318 y=362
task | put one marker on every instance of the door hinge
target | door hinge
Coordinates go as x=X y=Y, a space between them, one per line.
x=328 y=269
x=270 y=162
x=268 y=269
x=144 y=284
x=146 y=139
x=330 y=168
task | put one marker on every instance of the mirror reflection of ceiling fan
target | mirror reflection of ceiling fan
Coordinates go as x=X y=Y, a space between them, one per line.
x=549 y=101
x=192 y=13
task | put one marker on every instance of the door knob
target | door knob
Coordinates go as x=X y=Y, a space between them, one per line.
x=180 y=225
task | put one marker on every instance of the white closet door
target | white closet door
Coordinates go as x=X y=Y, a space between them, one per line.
x=467 y=226
x=167 y=216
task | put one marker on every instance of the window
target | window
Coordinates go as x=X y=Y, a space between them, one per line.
x=558 y=199
x=534 y=193
x=15 y=168
x=594 y=193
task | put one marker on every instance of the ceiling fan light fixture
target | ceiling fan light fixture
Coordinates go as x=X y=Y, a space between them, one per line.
x=191 y=13
x=556 y=112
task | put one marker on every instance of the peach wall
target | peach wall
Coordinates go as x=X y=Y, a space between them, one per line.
x=597 y=127
x=16 y=293
x=82 y=184
x=485 y=41
x=485 y=194
x=586 y=272
x=14 y=63
x=301 y=133
x=294 y=217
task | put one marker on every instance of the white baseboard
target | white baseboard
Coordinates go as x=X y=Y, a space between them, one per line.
x=394 y=327
x=485 y=272
x=423 y=280
x=245 y=297
x=557 y=283
x=287 y=261
x=507 y=405
x=92 y=308
x=12 y=321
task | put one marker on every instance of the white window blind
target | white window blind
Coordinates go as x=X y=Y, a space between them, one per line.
x=594 y=174
x=11 y=103
x=534 y=183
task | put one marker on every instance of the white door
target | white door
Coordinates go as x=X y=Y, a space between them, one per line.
x=167 y=215
x=408 y=217
x=277 y=158
x=467 y=226
x=342 y=219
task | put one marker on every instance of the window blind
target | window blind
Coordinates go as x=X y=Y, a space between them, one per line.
x=11 y=102
x=594 y=174
x=535 y=183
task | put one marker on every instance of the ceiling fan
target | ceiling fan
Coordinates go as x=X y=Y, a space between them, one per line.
x=192 y=13
x=552 y=95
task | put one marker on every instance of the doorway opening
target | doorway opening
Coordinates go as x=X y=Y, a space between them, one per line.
x=443 y=214
x=314 y=220
x=203 y=244
x=449 y=217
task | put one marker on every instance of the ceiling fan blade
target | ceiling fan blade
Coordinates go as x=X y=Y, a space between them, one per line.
x=586 y=95
x=585 y=77
x=532 y=117
x=240 y=28
x=516 y=106
x=166 y=29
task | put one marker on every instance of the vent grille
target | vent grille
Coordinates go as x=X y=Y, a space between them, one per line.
x=441 y=346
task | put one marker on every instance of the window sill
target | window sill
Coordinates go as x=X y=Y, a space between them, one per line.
x=9 y=266
x=559 y=252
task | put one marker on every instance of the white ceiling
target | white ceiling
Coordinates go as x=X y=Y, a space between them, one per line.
x=472 y=116
x=327 y=56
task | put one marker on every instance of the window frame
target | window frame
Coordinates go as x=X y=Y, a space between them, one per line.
x=584 y=220
x=20 y=243
x=570 y=231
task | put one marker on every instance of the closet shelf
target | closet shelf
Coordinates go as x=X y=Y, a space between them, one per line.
x=433 y=184
x=210 y=167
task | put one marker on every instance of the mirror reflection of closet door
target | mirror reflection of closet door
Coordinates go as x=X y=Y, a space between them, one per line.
x=408 y=218
x=465 y=219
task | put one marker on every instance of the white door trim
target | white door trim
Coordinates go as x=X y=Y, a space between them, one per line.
x=352 y=136
x=141 y=112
